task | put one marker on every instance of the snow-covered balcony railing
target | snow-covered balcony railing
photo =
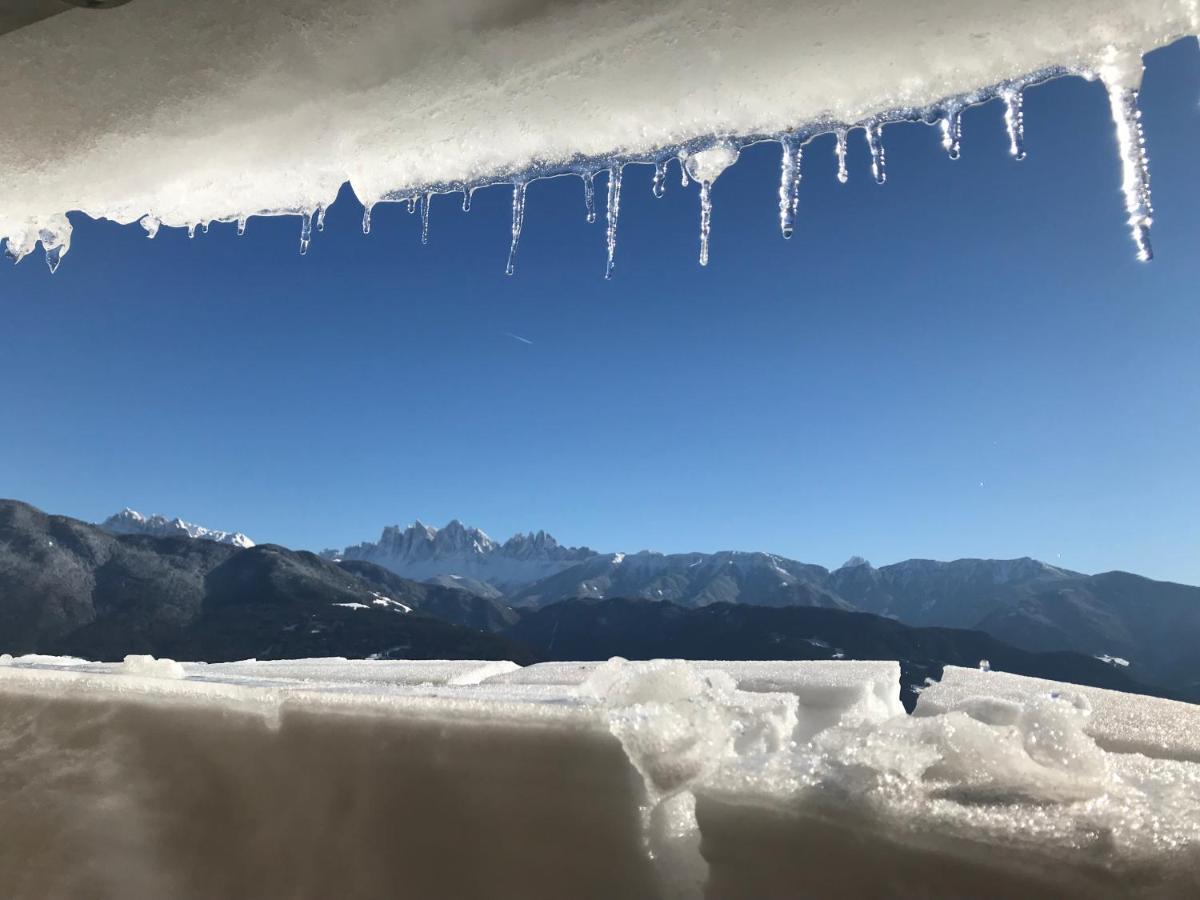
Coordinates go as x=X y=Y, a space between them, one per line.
x=318 y=778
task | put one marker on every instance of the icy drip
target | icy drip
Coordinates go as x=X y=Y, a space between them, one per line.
x=518 y=219
x=366 y=225
x=204 y=227
x=151 y=225
x=874 y=134
x=321 y=218
x=241 y=226
x=191 y=231
x=467 y=193
x=1135 y=167
x=705 y=167
x=705 y=219
x=614 y=210
x=425 y=217
x=660 y=178
x=589 y=195
x=951 y=125
x=1014 y=120
x=789 y=183
x=683 y=173
x=53 y=257
x=843 y=174
x=305 y=232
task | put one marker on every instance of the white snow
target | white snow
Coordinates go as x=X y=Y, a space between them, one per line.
x=224 y=110
x=149 y=667
x=352 y=605
x=715 y=779
x=130 y=521
x=379 y=600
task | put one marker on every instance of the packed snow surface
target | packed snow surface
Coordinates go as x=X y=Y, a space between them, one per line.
x=182 y=114
x=324 y=777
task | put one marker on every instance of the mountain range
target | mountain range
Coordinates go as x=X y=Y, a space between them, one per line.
x=1152 y=626
x=129 y=521
x=67 y=587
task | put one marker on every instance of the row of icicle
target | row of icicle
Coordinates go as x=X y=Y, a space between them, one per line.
x=1122 y=101
x=1126 y=117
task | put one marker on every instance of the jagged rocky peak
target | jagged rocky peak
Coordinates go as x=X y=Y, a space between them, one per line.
x=423 y=552
x=421 y=541
x=130 y=521
x=855 y=562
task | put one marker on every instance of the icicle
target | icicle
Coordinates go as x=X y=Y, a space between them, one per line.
x=683 y=175
x=789 y=183
x=366 y=226
x=843 y=175
x=412 y=204
x=191 y=231
x=151 y=224
x=1014 y=120
x=951 y=125
x=589 y=195
x=614 y=210
x=425 y=217
x=705 y=219
x=874 y=133
x=305 y=232
x=54 y=257
x=241 y=226
x=1135 y=167
x=467 y=192
x=205 y=227
x=518 y=219
x=320 y=218
x=659 y=185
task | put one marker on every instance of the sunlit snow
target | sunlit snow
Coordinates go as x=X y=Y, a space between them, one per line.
x=650 y=779
x=225 y=110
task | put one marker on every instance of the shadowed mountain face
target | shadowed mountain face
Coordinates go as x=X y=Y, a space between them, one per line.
x=72 y=588
x=1153 y=624
x=642 y=629
x=461 y=607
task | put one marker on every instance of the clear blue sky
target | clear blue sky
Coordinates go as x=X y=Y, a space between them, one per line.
x=965 y=362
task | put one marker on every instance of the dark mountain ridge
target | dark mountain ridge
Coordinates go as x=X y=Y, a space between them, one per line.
x=643 y=629
x=71 y=588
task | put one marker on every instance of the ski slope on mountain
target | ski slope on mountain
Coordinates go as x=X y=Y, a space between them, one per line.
x=184 y=114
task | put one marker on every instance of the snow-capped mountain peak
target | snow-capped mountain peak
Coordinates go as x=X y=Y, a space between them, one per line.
x=130 y=521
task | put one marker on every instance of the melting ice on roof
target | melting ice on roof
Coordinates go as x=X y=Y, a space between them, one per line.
x=426 y=97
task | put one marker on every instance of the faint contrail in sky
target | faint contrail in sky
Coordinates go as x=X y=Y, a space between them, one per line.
x=517 y=337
